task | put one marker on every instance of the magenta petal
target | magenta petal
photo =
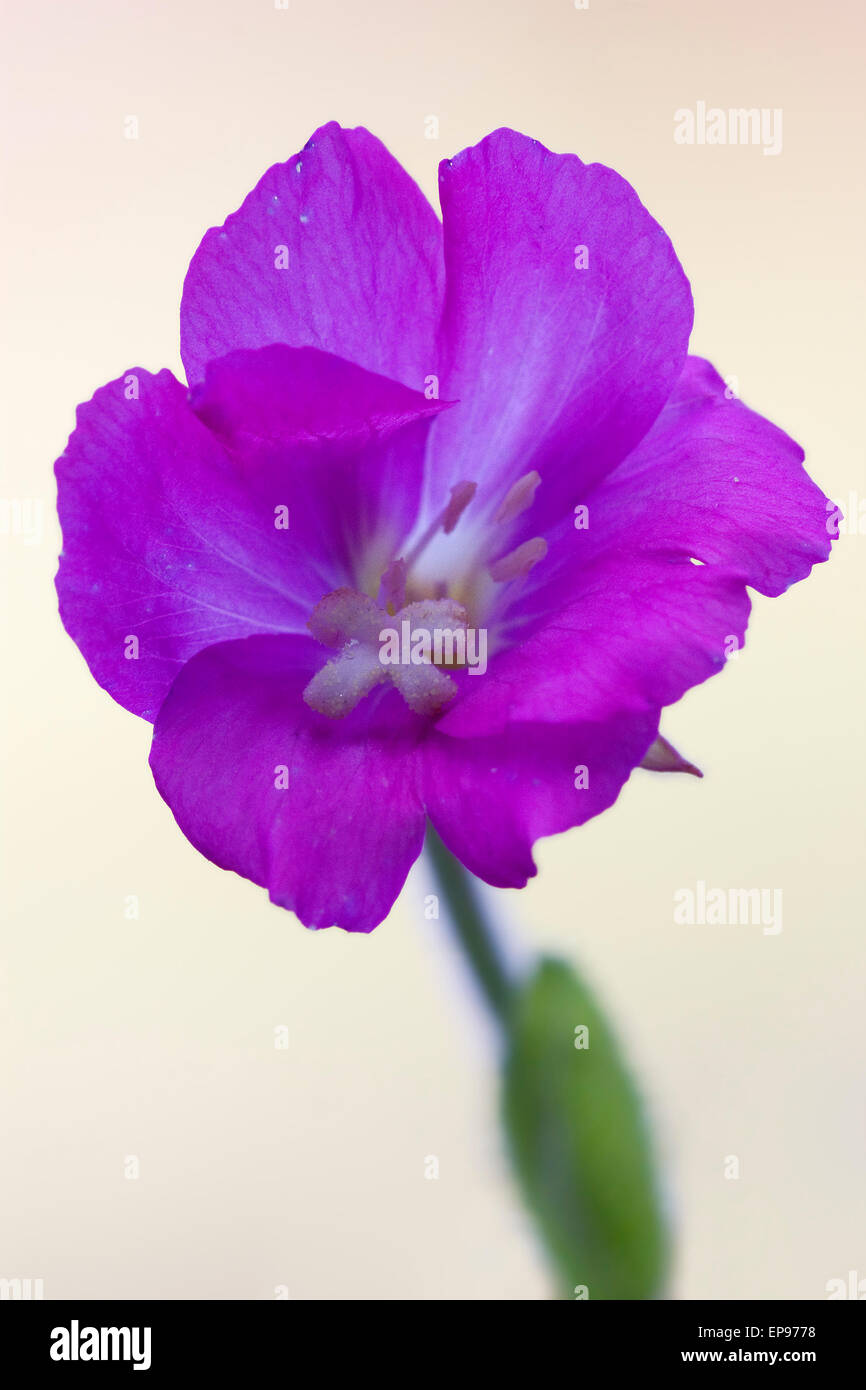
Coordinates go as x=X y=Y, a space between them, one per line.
x=337 y=249
x=176 y=537
x=326 y=814
x=163 y=551
x=303 y=397
x=491 y=798
x=638 y=632
x=557 y=368
x=348 y=446
x=715 y=481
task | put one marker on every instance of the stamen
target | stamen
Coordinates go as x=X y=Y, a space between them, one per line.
x=392 y=586
x=519 y=497
x=519 y=561
x=461 y=496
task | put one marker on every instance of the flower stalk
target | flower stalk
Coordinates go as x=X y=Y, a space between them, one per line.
x=472 y=930
x=574 y=1122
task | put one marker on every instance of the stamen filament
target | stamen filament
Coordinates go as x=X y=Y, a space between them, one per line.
x=461 y=496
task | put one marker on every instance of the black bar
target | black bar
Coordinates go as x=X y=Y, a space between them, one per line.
x=221 y=1339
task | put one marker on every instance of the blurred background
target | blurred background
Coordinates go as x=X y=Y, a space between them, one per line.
x=156 y=1142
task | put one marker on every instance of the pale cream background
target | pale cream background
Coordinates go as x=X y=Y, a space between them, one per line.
x=154 y=1038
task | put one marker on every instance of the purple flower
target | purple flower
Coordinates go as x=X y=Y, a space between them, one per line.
x=484 y=432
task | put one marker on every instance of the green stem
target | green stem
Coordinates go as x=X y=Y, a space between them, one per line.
x=576 y=1133
x=479 y=945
